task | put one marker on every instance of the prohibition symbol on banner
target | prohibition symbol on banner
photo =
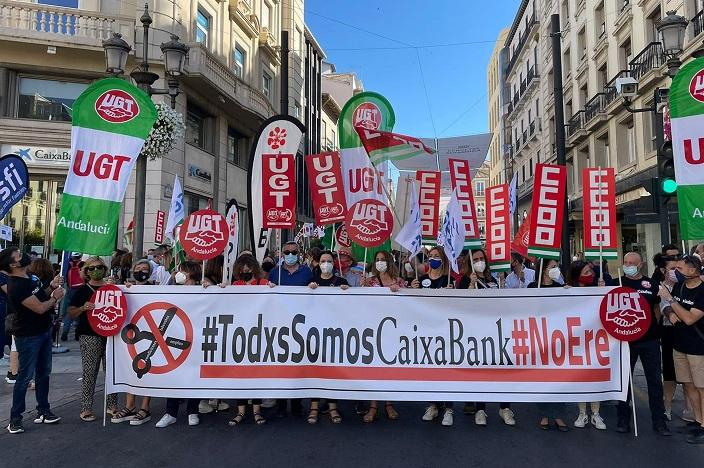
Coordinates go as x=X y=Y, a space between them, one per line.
x=159 y=344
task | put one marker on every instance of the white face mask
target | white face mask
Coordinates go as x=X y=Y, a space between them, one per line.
x=326 y=267
x=480 y=266
x=408 y=267
x=554 y=273
x=380 y=266
x=180 y=278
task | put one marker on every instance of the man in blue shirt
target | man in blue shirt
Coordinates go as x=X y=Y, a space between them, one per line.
x=292 y=272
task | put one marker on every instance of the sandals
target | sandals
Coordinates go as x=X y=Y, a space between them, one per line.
x=544 y=426
x=236 y=420
x=335 y=417
x=87 y=416
x=371 y=415
x=391 y=413
x=313 y=416
x=141 y=417
x=259 y=419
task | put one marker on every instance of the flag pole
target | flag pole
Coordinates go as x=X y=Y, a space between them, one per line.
x=405 y=212
x=601 y=230
x=335 y=247
x=540 y=273
x=281 y=264
x=364 y=273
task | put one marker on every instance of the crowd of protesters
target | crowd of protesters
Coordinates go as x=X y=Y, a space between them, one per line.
x=31 y=290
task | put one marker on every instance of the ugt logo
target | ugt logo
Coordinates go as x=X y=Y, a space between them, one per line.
x=204 y=230
x=367 y=115
x=116 y=106
x=625 y=314
x=696 y=86
x=108 y=306
x=624 y=309
x=369 y=218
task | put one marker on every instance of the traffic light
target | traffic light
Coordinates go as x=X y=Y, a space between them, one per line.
x=666 y=171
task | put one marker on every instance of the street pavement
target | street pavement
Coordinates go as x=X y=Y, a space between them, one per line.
x=292 y=442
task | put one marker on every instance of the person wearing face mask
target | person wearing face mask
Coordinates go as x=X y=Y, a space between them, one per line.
x=313 y=259
x=292 y=272
x=323 y=278
x=477 y=274
x=646 y=348
x=268 y=264
x=345 y=262
x=160 y=266
x=582 y=275
x=686 y=312
x=521 y=276
x=92 y=344
x=30 y=306
x=188 y=274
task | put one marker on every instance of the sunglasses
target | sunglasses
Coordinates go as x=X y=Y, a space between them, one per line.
x=294 y=252
x=93 y=268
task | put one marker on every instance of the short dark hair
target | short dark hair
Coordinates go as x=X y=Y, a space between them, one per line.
x=693 y=260
x=7 y=258
x=667 y=247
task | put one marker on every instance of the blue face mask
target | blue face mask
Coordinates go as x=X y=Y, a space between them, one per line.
x=290 y=259
x=680 y=277
x=435 y=263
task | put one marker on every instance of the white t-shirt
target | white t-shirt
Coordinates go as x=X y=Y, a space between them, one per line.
x=160 y=276
x=512 y=281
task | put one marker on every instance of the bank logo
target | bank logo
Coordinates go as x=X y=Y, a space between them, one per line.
x=116 y=106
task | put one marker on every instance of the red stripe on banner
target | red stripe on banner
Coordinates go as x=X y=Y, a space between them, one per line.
x=409 y=373
x=599 y=208
x=498 y=227
x=547 y=210
x=460 y=177
x=429 y=202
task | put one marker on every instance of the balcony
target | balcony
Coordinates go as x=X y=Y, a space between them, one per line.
x=202 y=64
x=530 y=24
x=66 y=27
x=697 y=24
x=242 y=13
x=594 y=111
x=575 y=128
x=526 y=87
x=651 y=58
x=268 y=43
x=611 y=99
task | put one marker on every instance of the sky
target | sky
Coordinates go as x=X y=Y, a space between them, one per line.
x=446 y=94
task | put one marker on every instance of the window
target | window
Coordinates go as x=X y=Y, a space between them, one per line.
x=334 y=140
x=195 y=202
x=239 y=58
x=299 y=42
x=47 y=99
x=237 y=150
x=626 y=144
x=600 y=21
x=481 y=210
x=625 y=55
x=202 y=27
x=243 y=229
x=648 y=133
x=196 y=123
x=266 y=84
x=296 y=109
x=479 y=188
x=266 y=15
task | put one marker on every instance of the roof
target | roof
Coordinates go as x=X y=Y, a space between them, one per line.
x=311 y=38
x=516 y=22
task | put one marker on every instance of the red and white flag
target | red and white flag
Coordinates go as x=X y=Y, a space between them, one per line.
x=461 y=180
x=547 y=211
x=388 y=146
x=326 y=189
x=498 y=228
x=429 y=202
x=599 y=213
x=279 y=191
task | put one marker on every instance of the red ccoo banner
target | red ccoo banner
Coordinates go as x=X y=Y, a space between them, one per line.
x=159 y=229
x=547 y=211
x=599 y=213
x=520 y=241
x=498 y=228
x=461 y=180
x=327 y=192
x=429 y=202
x=279 y=191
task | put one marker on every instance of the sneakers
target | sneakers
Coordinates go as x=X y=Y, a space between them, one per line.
x=223 y=406
x=47 y=418
x=697 y=437
x=204 y=407
x=668 y=415
x=193 y=420
x=581 y=420
x=447 y=418
x=166 y=421
x=598 y=422
x=11 y=378
x=507 y=415
x=431 y=413
x=15 y=427
x=687 y=415
x=480 y=418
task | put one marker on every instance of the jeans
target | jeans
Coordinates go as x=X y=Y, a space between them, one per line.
x=649 y=353
x=35 y=360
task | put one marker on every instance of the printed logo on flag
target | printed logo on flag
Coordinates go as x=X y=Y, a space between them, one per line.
x=367 y=115
x=277 y=138
x=342 y=237
x=696 y=86
x=203 y=234
x=369 y=222
x=625 y=314
x=110 y=310
x=116 y=106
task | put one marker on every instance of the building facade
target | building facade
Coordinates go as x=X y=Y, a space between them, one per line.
x=495 y=89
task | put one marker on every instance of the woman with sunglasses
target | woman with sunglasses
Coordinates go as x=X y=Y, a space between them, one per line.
x=92 y=344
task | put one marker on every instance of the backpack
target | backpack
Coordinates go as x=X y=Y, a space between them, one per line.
x=74 y=276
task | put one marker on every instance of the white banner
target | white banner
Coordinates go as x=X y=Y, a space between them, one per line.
x=286 y=342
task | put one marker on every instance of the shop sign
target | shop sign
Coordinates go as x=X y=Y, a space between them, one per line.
x=40 y=155
x=198 y=173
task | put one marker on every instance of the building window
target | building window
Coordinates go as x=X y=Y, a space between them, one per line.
x=297 y=109
x=237 y=150
x=239 y=57
x=196 y=125
x=266 y=84
x=47 y=99
x=648 y=133
x=195 y=202
x=481 y=211
x=202 y=27
x=266 y=15
x=479 y=188
x=334 y=140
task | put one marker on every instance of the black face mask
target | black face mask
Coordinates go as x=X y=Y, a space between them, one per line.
x=26 y=260
x=267 y=266
x=246 y=276
x=140 y=276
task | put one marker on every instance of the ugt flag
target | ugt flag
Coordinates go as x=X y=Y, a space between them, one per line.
x=453 y=232
x=111 y=120
x=410 y=237
x=387 y=146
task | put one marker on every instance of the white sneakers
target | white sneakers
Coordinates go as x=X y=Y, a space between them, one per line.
x=166 y=421
x=480 y=418
x=193 y=420
x=507 y=415
x=597 y=421
x=431 y=412
x=447 y=419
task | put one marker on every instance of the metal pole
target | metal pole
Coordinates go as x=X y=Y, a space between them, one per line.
x=662 y=207
x=560 y=127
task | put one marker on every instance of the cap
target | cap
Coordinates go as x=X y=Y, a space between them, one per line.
x=344 y=251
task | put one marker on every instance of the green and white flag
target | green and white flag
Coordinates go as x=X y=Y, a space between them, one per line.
x=687 y=115
x=111 y=120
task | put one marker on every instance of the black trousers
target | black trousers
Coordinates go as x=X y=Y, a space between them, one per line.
x=296 y=405
x=481 y=406
x=255 y=401
x=172 y=405
x=649 y=354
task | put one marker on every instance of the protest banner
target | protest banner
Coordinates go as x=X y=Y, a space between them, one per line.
x=279 y=191
x=159 y=227
x=498 y=228
x=326 y=189
x=367 y=344
x=233 y=242
x=547 y=211
x=204 y=234
x=429 y=202
x=460 y=177
x=600 y=238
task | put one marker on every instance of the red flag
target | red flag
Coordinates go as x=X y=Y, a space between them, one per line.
x=461 y=180
x=547 y=210
x=520 y=242
x=498 y=231
x=327 y=192
x=429 y=202
x=599 y=212
x=279 y=191
x=387 y=146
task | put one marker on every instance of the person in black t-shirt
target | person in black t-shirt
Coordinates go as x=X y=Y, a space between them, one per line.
x=550 y=276
x=686 y=312
x=477 y=274
x=646 y=348
x=30 y=305
x=323 y=276
x=92 y=344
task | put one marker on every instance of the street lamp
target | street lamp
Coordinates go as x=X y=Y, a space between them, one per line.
x=672 y=29
x=175 y=52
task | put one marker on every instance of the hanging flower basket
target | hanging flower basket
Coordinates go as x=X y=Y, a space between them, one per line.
x=167 y=129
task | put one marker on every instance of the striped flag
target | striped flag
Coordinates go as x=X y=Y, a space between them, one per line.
x=387 y=146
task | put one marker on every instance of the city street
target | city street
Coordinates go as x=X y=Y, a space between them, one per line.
x=407 y=442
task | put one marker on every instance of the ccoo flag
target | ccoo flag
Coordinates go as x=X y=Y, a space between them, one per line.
x=111 y=120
